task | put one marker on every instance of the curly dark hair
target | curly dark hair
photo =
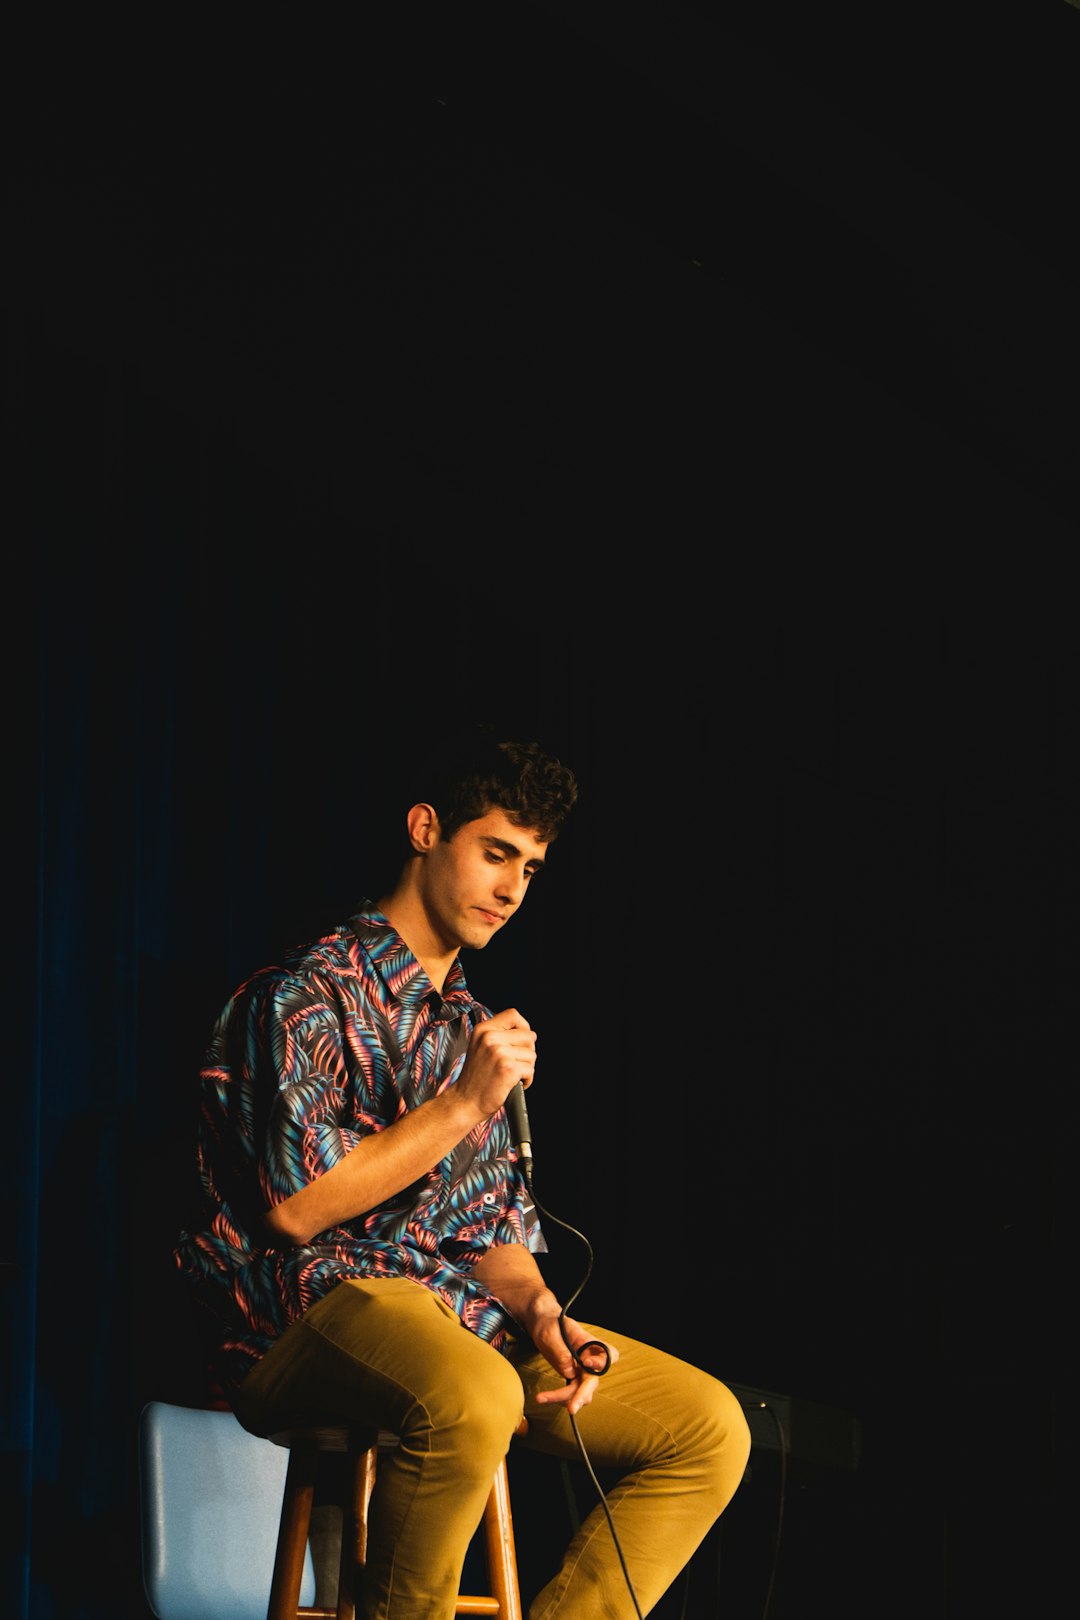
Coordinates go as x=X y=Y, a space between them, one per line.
x=474 y=771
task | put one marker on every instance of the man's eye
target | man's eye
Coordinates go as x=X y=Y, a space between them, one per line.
x=493 y=855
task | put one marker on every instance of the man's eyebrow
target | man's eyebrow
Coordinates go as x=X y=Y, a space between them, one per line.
x=511 y=849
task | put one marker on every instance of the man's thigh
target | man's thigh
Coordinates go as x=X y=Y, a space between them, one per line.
x=381 y=1351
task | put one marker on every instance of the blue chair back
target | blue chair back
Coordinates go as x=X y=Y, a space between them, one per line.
x=210 y=1503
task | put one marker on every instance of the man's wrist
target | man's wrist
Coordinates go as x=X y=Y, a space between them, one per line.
x=542 y=1308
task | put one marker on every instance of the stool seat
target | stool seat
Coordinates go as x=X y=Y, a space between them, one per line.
x=361 y=1447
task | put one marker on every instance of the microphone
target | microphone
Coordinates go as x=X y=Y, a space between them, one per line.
x=520 y=1132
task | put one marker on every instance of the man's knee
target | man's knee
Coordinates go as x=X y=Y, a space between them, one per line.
x=481 y=1398
x=709 y=1421
x=723 y=1433
x=468 y=1420
x=729 y=1416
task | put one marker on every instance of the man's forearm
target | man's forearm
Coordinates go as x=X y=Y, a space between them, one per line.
x=510 y=1272
x=377 y=1168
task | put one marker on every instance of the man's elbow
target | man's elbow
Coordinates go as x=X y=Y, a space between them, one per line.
x=286 y=1232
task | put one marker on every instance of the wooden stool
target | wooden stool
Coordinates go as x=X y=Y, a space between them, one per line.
x=361 y=1448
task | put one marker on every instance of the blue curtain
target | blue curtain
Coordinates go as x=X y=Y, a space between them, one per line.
x=143 y=866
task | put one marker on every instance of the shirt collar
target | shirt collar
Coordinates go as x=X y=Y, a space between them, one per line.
x=404 y=979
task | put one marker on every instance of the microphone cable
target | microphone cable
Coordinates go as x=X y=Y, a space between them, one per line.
x=521 y=1132
x=525 y=1160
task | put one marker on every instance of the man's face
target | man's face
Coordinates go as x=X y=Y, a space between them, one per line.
x=474 y=882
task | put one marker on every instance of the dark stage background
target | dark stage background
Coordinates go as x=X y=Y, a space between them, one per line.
x=698 y=392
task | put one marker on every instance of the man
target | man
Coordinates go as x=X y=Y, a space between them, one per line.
x=368 y=1238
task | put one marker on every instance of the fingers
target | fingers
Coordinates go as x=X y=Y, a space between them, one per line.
x=573 y=1395
x=502 y=1051
x=509 y=1040
x=593 y=1356
x=509 y=1018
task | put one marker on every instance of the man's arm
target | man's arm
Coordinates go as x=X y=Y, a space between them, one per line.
x=375 y=1169
x=501 y=1051
x=510 y=1272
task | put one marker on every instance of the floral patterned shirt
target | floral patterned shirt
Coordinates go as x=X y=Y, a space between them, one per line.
x=306 y=1059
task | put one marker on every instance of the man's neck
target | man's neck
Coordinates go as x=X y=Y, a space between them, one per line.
x=403 y=909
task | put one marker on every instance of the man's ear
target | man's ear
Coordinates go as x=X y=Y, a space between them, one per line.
x=423 y=825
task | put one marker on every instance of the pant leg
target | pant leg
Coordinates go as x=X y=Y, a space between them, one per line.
x=389 y=1353
x=681 y=1441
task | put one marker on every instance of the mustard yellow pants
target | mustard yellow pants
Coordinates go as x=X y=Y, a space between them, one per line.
x=389 y=1353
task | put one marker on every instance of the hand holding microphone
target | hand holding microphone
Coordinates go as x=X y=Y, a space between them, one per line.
x=502 y=1051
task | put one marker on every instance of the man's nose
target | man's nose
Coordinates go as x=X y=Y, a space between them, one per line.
x=511 y=885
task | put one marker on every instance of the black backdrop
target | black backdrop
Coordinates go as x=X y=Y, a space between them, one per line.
x=699 y=396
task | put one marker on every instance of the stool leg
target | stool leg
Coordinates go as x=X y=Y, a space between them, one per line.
x=501 y=1552
x=360 y=1477
x=292 y=1534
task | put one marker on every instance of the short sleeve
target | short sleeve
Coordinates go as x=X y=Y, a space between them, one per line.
x=321 y=1101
